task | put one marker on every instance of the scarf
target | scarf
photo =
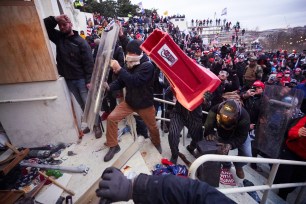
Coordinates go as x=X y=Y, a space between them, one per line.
x=132 y=61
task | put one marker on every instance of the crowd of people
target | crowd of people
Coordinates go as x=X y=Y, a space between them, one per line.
x=233 y=108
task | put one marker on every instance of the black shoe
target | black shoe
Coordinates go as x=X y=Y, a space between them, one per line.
x=97 y=131
x=111 y=153
x=173 y=159
x=165 y=128
x=86 y=130
x=190 y=149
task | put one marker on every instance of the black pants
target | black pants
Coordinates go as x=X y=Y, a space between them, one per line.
x=177 y=123
x=289 y=173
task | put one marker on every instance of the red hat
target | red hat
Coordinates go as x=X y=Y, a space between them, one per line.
x=259 y=83
x=279 y=74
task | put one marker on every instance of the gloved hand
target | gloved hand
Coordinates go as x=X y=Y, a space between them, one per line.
x=114 y=186
x=207 y=96
x=211 y=137
x=224 y=148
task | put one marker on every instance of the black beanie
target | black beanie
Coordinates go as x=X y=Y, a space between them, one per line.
x=134 y=47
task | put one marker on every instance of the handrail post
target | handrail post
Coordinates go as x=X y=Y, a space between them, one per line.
x=270 y=182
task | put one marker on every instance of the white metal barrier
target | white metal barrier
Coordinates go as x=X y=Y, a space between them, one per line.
x=226 y=158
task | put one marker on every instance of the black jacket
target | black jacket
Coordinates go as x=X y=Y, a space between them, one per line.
x=236 y=136
x=73 y=54
x=170 y=189
x=253 y=106
x=138 y=82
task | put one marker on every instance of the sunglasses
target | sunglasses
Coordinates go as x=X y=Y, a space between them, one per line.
x=255 y=87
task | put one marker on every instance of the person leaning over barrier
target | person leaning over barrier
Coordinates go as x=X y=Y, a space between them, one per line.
x=232 y=122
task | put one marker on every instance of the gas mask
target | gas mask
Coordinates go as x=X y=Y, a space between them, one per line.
x=132 y=61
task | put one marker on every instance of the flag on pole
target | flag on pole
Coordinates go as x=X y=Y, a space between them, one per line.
x=141 y=7
x=224 y=12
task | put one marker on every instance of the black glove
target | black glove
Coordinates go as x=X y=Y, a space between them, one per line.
x=224 y=148
x=207 y=96
x=211 y=137
x=115 y=186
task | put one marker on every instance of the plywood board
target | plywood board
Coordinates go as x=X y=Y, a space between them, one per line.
x=25 y=49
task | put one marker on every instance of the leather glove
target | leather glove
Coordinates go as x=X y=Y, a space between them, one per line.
x=211 y=137
x=224 y=148
x=114 y=186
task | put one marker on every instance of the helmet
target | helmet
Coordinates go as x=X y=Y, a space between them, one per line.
x=292 y=100
x=228 y=114
x=259 y=83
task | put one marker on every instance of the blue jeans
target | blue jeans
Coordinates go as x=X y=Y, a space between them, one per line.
x=79 y=90
x=243 y=150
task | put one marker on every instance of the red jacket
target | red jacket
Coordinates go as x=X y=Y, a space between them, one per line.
x=296 y=143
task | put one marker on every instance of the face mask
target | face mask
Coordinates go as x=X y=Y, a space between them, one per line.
x=132 y=61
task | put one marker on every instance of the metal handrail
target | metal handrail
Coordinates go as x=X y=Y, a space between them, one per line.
x=171 y=103
x=29 y=99
x=227 y=158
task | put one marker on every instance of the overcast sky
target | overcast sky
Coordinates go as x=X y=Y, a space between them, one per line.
x=261 y=14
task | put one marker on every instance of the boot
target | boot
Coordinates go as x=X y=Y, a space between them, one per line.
x=159 y=148
x=240 y=172
x=111 y=153
x=97 y=131
x=86 y=130
x=191 y=149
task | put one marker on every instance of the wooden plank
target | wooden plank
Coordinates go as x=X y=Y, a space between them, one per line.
x=26 y=55
x=90 y=195
x=51 y=194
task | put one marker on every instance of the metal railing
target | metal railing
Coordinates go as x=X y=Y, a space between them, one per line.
x=276 y=162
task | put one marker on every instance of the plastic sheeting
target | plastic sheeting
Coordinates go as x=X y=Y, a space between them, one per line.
x=100 y=73
x=279 y=105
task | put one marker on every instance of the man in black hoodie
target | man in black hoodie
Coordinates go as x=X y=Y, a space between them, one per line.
x=74 y=60
x=137 y=78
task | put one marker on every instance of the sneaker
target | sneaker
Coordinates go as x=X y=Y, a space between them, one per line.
x=86 y=130
x=104 y=116
x=173 y=159
x=240 y=172
x=97 y=131
x=111 y=153
x=159 y=148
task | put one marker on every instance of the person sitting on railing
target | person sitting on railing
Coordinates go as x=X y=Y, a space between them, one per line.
x=151 y=189
x=232 y=122
x=294 y=149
